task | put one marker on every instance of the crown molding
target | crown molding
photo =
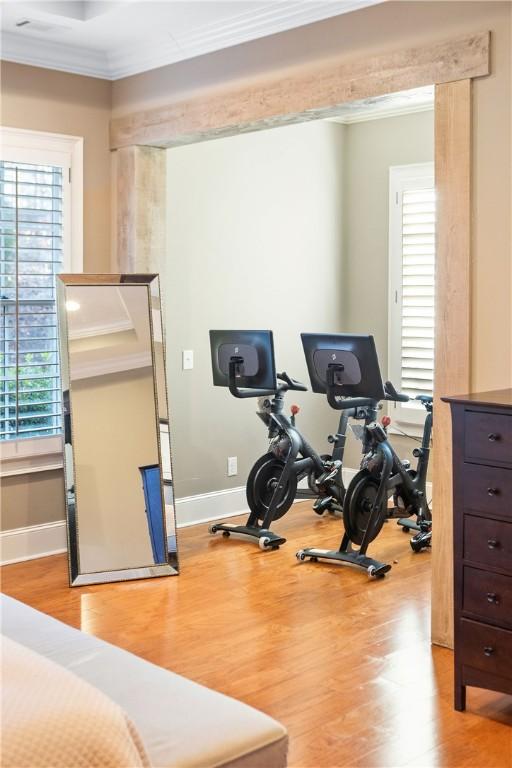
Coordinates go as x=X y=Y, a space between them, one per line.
x=87 y=369
x=101 y=329
x=242 y=28
x=163 y=50
x=36 y=52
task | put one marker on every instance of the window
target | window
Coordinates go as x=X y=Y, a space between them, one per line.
x=411 y=285
x=31 y=254
x=40 y=236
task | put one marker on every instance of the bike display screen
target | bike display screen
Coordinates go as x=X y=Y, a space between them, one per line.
x=254 y=353
x=351 y=357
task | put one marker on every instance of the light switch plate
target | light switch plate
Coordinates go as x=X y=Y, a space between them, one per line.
x=188 y=359
x=232 y=466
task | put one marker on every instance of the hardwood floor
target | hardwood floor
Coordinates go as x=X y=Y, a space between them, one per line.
x=345 y=663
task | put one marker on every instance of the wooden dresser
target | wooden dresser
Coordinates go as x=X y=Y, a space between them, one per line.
x=482 y=536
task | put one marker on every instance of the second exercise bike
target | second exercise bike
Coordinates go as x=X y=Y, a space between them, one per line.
x=345 y=368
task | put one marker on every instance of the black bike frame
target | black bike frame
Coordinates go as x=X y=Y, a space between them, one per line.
x=279 y=425
x=413 y=486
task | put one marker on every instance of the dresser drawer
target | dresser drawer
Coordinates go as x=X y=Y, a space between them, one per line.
x=487 y=489
x=488 y=542
x=488 y=437
x=488 y=596
x=486 y=648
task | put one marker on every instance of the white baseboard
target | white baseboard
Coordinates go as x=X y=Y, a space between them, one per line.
x=35 y=541
x=50 y=538
x=32 y=542
x=205 y=507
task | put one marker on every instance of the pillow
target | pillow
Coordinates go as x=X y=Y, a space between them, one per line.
x=53 y=719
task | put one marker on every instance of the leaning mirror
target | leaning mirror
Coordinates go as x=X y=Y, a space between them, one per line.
x=117 y=457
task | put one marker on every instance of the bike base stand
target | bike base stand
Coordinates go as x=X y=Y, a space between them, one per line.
x=423 y=538
x=374 y=568
x=266 y=539
x=408 y=524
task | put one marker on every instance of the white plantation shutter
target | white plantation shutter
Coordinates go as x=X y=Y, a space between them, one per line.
x=31 y=254
x=418 y=263
x=41 y=233
x=412 y=276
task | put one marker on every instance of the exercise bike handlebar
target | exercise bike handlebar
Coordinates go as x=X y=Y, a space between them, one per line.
x=341 y=404
x=392 y=394
x=235 y=389
x=400 y=397
x=241 y=393
x=290 y=383
x=348 y=402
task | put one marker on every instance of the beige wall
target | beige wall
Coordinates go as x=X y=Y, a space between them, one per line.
x=255 y=241
x=390 y=26
x=58 y=102
x=45 y=100
x=370 y=149
x=31 y=499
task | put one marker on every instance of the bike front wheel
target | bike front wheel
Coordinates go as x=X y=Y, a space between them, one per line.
x=261 y=484
x=359 y=507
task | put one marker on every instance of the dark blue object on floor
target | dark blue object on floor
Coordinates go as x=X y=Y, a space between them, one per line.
x=153 y=498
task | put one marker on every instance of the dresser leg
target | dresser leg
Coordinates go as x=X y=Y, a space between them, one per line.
x=460 y=697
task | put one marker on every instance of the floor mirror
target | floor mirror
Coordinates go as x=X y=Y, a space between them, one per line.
x=117 y=455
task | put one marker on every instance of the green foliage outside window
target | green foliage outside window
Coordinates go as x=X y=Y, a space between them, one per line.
x=30 y=258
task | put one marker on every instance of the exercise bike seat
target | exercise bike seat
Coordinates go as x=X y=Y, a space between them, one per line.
x=424 y=399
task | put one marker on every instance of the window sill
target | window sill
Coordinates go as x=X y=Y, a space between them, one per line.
x=409 y=419
x=411 y=430
x=40 y=454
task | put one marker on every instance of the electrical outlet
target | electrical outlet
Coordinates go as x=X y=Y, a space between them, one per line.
x=232 y=466
x=188 y=359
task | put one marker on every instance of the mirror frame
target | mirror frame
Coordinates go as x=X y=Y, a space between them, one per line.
x=161 y=395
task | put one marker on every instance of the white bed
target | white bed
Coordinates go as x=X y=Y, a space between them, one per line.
x=182 y=724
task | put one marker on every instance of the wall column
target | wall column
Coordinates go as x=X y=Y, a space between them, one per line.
x=139 y=209
x=453 y=327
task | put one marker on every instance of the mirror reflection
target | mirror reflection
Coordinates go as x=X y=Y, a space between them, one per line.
x=118 y=462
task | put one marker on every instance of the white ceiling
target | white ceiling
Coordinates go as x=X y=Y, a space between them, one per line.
x=99 y=311
x=123 y=37
x=108 y=330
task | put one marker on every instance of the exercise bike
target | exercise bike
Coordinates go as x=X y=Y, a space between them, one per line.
x=345 y=368
x=241 y=360
x=405 y=485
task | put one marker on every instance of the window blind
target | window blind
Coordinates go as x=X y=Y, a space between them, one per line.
x=418 y=274
x=31 y=254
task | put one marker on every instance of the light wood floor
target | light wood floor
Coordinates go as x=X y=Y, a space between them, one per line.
x=345 y=663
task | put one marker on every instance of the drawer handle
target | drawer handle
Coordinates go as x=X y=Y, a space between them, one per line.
x=493 y=598
x=488 y=650
x=493 y=491
x=494 y=437
x=493 y=543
